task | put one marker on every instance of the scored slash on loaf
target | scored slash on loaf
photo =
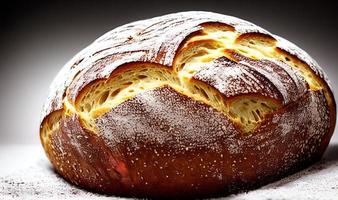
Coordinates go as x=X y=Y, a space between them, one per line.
x=191 y=104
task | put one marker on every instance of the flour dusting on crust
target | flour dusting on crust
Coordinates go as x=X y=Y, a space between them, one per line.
x=154 y=40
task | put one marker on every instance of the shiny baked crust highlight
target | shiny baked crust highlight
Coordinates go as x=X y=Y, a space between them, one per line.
x=213 y=103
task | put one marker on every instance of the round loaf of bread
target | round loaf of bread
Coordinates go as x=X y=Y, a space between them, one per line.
x=190 y=104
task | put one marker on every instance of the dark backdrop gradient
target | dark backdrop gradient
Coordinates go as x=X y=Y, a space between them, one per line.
x=37 y=38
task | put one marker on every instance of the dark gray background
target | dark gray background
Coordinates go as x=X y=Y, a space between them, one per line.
x=38 y=38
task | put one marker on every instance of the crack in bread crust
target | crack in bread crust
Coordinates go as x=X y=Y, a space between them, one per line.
x=195 y=54
x=199 y=50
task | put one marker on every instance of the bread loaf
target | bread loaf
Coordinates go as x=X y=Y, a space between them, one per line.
x=191 y=104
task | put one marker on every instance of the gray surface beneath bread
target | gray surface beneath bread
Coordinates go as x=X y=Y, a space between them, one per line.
x=25 y=173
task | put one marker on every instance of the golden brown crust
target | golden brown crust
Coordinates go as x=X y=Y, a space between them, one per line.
x=125 y=160
x=165 y=142
x=84 y=159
